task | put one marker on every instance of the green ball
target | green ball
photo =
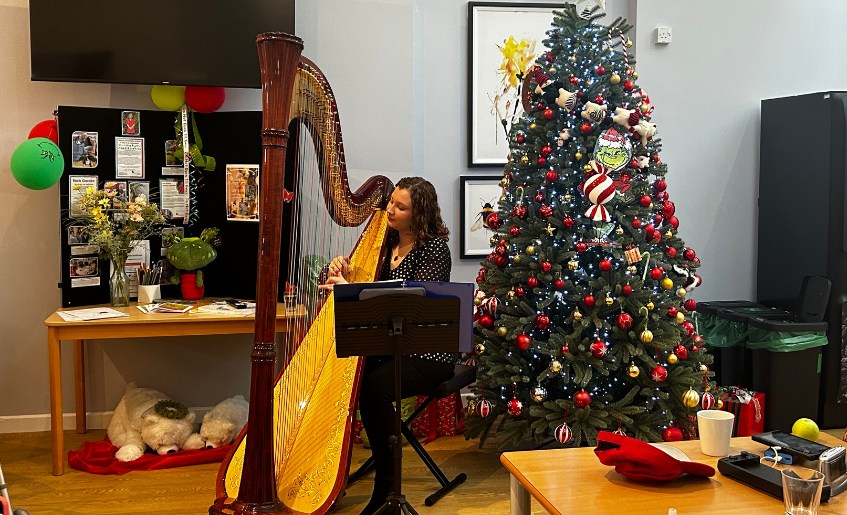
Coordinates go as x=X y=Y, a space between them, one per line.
x=37 y=164
x=168 y=98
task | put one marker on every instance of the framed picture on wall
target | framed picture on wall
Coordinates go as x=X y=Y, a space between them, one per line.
x=480 y=194
x=494 y=85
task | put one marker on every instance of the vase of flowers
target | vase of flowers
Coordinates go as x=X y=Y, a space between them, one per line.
x=116 y=225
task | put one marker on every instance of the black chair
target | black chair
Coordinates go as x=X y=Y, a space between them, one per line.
x=464 y=375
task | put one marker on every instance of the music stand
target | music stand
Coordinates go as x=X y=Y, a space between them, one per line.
x=396 y=324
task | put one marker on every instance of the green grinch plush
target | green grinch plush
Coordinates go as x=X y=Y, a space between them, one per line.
x=188 y=256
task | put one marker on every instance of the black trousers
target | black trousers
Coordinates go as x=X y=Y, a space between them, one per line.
x=418 y=376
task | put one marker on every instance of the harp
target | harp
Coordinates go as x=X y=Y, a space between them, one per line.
x=294 y=455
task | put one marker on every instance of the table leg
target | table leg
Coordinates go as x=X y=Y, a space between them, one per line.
x=79 y=385
x=518 y=497
x=54 y=352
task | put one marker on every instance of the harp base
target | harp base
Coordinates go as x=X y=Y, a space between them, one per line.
x=229 y=506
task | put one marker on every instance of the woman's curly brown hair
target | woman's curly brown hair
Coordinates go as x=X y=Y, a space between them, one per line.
x=426 y=215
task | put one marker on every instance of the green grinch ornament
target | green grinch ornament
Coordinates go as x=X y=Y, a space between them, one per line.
x=188 y=256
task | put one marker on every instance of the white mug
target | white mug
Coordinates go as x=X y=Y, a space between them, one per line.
x=715 y=429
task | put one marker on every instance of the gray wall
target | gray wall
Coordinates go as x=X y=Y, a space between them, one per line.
x=398 y=68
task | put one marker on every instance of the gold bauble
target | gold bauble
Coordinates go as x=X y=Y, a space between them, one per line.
x=632 y=269
x=680 y=317
x=615 y=78
x=609 y=300
x=530 y=250
x=667 y=283
x=567 y=197
x=719 y=404
x=634 y=75
x=552 y=70
x=650 y=305
x=650 y=206
x=681 y=292
x=555 y=366
x=573 y=265
x=504 y=181
x=577 y=315
x=633 y=371
x=691 y=398
x=503 y=198
x=673 y=359
x=578 y=155
x=493 y=240
x=532 y=126
x=524 y=160
x=646 y=336
x=587 y=168
x=628 y=43
x=517 y=259
x=619 y=230
x=510 y=294
x=478 y=300
x=479 y=348
x=704 y=368
x=644 y=108
x=669 y=234
x=501 y=332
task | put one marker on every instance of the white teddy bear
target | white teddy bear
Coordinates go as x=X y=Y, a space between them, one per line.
x=148 y=417
x=221 y=424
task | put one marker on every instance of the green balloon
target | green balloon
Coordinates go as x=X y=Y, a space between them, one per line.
x=37 y=164
x=168 y=98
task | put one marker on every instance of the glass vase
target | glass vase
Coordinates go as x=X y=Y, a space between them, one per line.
x=119 y=282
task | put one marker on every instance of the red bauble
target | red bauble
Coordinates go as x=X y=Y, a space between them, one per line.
x=599 y=70
x=499 y=260
x=486 y=321
x=645 y=200
x=696 y=260
x=548 y=114
x=588 y=300
x=515 y=230
x=493 y=221
x=479 y=278
x=514 y=407
x=657 y=219
x=519 y=211
x=541 y=161
x=628 y=84
x=624 y=321
x=690 y=305
x=565 y=349
x=519 y=291
x=545 y=211
x=673 y=222
x=688 y=327
x=668 y=208
x=520 y=138
x=540 y=105
x=559 y=283
x=549 y=57
x=542 y=322
x=707 y=400
x=205 y=99
x=563 y=433
x=46 y=129
x=680 y=351
x=585 y=128
x=523 y=341
x=672 y=312
x=573 y=80
x=567 y=221
x=500 y=249
x=546 y=150
x=532 y=281
x=697 y=338
x=539 y=197
x=483 y=408
x=656 y=273
x=605 y=265
x=672 y=434
x=546 y=266
x=671 y=252
x=598 y=349
x=636 y=223
x=649 y=231
x=660 y=185
x=581 y=399
x=659 y=374
x=581 y=247
x=626 y=289
x=551 y=176
x=662 y=195
x=655 y=158
x=689 y=254
x=695 y=348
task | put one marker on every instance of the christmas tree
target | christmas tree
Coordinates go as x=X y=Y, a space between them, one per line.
x=584 y=316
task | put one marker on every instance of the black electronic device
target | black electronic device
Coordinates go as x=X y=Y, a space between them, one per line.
x=238 y=304
x=182 y=42
x=747 y=468
x=792 y=444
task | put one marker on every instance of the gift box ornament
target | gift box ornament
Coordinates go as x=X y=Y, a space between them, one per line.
x=444 y=417
x=747 y=406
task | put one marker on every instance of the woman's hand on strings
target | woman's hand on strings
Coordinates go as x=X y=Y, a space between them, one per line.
x=337 y=272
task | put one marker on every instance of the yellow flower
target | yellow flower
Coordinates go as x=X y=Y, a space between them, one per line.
x=517 y=57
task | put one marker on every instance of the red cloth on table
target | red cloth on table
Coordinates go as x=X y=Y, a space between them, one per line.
x=443 y=417
x=99 y=458
x=748 y=408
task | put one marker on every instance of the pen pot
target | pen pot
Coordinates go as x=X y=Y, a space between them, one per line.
x=148 y=293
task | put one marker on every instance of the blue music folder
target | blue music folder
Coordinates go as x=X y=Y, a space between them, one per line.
x=462 y=291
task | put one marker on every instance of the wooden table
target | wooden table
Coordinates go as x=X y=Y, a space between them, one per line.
x=136 y=325
x=574 y=481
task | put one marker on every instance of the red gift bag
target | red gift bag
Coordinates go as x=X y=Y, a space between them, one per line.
x=748 y=408
x=443 y=417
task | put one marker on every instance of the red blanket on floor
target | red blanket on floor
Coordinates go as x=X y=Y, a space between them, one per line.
x=99 y=458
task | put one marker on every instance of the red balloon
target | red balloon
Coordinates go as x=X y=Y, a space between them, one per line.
x=205 y=99
x=46 y=129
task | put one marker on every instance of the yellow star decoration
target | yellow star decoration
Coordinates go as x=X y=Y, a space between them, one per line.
x=550 y=229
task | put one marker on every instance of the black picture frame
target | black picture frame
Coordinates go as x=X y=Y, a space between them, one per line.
x=476 y=191
x=487 y=142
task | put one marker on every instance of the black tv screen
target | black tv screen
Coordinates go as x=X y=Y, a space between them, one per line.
x=182 y=42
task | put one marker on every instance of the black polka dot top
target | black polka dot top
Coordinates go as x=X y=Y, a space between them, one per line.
x=428 y=263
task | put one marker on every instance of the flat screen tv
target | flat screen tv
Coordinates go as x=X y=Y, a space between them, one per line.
x=182 y=42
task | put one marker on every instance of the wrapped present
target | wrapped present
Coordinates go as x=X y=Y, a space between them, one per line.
x=748 y=408
x=443 y=417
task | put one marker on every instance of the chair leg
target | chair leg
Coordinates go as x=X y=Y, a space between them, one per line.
x=362 y=471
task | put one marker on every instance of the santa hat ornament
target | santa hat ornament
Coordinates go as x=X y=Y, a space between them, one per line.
x=541 y=78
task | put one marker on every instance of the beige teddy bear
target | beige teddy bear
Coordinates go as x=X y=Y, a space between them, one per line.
x=221 y=424
x=147 y=417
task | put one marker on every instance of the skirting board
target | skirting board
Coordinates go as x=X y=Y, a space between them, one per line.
x=41 y=422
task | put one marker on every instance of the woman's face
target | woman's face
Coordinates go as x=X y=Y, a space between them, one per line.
x=400 y=210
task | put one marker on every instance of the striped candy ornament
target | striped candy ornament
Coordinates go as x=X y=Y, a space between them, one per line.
x=707 y=401
x=563 y=433
x=599 y=189
x=483 y=408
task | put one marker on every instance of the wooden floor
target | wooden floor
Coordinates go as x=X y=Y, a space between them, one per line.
x=25 y=459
